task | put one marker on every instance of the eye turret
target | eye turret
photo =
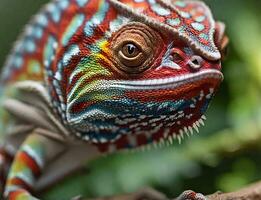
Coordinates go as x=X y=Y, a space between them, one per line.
x=134 y=48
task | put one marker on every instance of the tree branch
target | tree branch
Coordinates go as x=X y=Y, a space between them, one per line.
x=252 y=192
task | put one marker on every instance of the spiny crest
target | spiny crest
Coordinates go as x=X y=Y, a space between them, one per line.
x=190 y=20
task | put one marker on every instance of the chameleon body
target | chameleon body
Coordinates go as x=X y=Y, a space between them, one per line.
x=104 y=75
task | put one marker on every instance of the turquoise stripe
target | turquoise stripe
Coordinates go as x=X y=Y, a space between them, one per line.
x=49 y=50
x=97 y=19
x=82 y=3
x=56 y=15
x=72 y=28
x=72 y=51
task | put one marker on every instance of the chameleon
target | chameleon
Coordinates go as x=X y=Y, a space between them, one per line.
x=92 y=77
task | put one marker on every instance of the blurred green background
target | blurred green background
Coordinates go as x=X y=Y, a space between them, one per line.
x=225 y=156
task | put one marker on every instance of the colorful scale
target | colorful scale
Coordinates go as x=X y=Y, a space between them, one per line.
x=27 y=167
x=191 y=20
x=67 y=47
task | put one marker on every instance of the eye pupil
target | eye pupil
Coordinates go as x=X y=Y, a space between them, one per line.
x=131 y=49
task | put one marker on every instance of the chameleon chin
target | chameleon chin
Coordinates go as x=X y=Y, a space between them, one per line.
x=92 y=77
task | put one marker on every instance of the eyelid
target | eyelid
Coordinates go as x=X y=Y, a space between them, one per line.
x=129 y=58
x=135 y=61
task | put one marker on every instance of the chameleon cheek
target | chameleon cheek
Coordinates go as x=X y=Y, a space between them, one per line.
x=152 y=111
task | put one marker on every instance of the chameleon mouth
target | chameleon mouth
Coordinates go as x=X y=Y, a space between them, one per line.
x=173 y=89
x=149 y=111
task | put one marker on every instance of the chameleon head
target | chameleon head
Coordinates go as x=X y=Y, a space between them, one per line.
x=149 y=78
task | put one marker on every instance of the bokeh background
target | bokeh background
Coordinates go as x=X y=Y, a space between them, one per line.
x=224 y=156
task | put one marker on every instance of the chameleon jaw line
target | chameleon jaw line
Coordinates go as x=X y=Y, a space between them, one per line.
x=171 y=82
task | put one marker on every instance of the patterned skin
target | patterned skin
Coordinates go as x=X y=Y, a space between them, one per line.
x=113 y=74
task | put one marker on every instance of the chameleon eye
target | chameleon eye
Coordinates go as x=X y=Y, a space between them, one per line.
x=130 y=50
x=131 y=55
x=134 y=48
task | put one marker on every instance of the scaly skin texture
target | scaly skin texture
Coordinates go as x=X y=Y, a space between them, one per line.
x=114 y=74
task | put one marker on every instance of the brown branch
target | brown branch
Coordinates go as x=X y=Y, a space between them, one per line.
x=143 y=194
x=252 y=192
